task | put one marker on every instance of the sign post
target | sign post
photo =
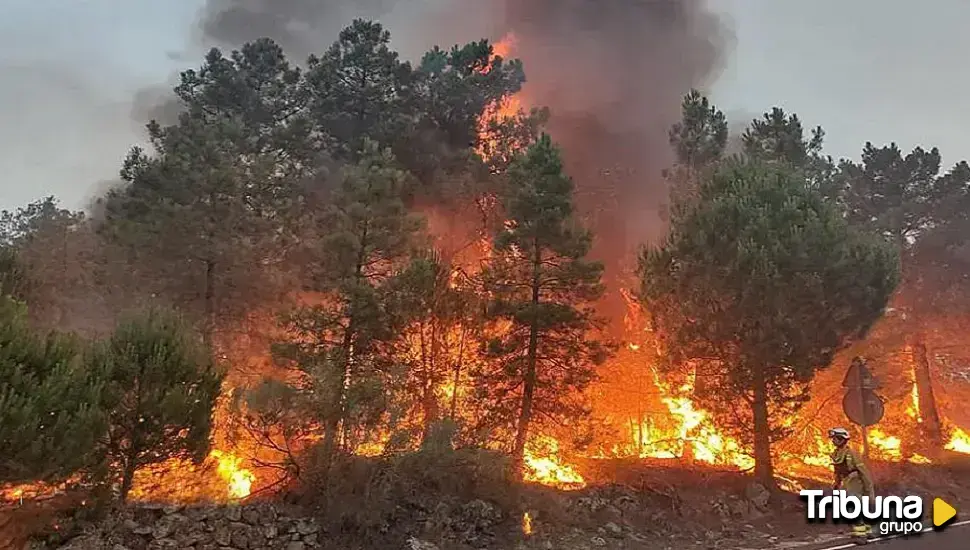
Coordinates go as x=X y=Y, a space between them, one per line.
x=861 y=404
x=860 y=379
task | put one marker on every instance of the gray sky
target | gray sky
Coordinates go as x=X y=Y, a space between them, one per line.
x=878 y=70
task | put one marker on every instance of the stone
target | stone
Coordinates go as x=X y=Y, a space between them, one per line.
x=416 y=544
x=233 y=513
x=481 y=514
x=222 y=535
x=598 y=541
x=304 y=527
x=269 y=515
x=251 y=516
x=239 y=535
x=295 y=545
x=162 y=529
x=130 y=524
x=613 y=530
x=758 y=495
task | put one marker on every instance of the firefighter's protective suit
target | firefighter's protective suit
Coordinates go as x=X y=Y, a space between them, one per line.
x=852 y=476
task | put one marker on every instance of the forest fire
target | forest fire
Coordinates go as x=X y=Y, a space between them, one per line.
x=654 y=418
x=642 y=412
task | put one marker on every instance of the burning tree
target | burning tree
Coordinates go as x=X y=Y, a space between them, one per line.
x=341 y=347
x=759 y=283
x=904 y=198
x=439 y=337
x=160 y=393
x=542 y=286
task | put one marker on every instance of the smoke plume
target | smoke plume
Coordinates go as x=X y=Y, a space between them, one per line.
x=614 y=73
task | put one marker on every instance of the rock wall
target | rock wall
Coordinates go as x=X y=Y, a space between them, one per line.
x=251 y=527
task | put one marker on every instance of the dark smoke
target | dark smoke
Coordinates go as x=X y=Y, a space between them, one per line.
x=613 y=73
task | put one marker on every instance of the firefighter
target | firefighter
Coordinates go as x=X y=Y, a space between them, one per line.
x=852 y=476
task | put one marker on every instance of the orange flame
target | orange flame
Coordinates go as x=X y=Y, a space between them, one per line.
x=526 y=524
x=506 y=108
x=543 y=465
x=912 y=410
x=886 y=445
x=959 y=442
x=240 y=480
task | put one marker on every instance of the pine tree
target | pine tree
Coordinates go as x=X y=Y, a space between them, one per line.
x=360 y=90
x=205 y=217
x=363 y=238
x=903 y=197
x=780 y=137
x=439 y=316
x=51 y=417
x=542 y=287
x=757 y=258
x=698 y=141
x=161 y=389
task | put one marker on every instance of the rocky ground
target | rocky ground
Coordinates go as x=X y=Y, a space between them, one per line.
x=642 y=507
x=604 y=517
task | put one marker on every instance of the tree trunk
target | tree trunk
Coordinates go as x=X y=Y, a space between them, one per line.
x=528 y=393
x=429 y=406
x=932 y=437
x=336 y=424
x=127 y=479
x=458 y=365
x=763 y=469
x=930 y=426
x=209 y=303
x=329 y=444
x=430 y=399
x=529 y=386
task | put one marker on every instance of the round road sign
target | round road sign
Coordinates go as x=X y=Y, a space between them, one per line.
x=874 y=409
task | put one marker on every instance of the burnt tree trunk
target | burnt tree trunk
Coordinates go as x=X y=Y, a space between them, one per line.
x=130 y=462
x=930 y=416
x=930 y=427
x=763 y=468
